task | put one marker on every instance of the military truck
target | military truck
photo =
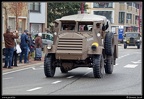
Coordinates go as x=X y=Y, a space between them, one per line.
x=132 y=39
x=77 y=46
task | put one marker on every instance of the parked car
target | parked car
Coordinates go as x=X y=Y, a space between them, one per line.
x=132 y=39
x=47 y=38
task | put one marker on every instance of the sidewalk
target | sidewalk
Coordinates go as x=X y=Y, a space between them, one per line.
x=32 y=62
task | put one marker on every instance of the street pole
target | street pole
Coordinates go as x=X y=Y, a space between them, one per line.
x=82 y=7
x=28 y=25
x=139 y=15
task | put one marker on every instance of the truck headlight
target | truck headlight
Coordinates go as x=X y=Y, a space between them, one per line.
x=94 y=46
x=49 y=47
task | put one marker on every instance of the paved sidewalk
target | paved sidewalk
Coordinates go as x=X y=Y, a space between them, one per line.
x=32 y=62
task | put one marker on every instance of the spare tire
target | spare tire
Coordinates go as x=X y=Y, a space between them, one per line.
x=109 y=43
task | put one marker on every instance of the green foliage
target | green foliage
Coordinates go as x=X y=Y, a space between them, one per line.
x=57 y=9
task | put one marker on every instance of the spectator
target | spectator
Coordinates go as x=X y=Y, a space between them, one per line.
x=38 y=45
x=31 y=47
x=15 y=55
x=9 y=45
x=24 y=47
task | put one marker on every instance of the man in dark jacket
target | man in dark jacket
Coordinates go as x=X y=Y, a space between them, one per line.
x=9 y=47
x=24 y=46
x=31 y=47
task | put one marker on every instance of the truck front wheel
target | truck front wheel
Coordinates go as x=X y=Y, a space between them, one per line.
x=98 y=66
x=49 y=68
x=109 y=65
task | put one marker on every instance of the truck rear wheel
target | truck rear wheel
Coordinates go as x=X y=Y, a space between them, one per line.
x=49 y=68
x=98 y=66
x=109 y=65
x=138 y=45
x=109 y=44
x=125 y=45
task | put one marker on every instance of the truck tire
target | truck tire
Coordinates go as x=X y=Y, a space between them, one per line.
x=109 y=44
x=98 y=66
x=138 y=45
x=125 y=45
x=109 y=65
x=49 y=68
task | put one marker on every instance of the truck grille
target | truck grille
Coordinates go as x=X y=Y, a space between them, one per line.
x=132 y=40
x=69 y=44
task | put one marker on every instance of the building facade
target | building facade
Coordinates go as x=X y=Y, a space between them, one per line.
x=9 y=18
x=37 y=17
x=124 y=14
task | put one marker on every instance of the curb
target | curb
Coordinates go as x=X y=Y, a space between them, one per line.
x=21 y=67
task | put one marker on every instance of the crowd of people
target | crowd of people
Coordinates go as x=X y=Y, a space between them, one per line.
x=27 y=45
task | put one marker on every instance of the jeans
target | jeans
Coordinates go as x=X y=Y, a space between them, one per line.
x=8 y=57
x=25 y=53
x=28 y=51
x=14 y=59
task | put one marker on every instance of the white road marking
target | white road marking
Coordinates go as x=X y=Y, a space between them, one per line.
x=130 y=66
x=8 y=78
x=115 y=64
x=86 y=73
x=36 y=68
x=17 y=70
x=56 y=82
x=123 y=56
x=89 y=68
x=33 y=68
x=135 y=62
x=34 y=89
x=70 y=77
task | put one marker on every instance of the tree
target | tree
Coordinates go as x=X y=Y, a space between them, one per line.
x=17 y=10
x=57 y=10
x=6 y=9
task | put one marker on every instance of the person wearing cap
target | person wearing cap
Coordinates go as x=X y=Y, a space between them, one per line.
x=38 y=45
x=24 y=46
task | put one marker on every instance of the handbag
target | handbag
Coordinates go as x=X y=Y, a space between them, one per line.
x=18 y=49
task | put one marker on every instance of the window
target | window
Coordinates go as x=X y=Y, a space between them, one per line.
x=107 y=14
x=12 y=24
x=129 y=17
x=103 y=5
x=129 y=3
x=122 y=17
x=85 y=26
x=35 y=7
x=68 y=25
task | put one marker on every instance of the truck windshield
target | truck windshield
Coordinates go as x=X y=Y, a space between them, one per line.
x=132 y=35
x=68 y=25
x=85 y=26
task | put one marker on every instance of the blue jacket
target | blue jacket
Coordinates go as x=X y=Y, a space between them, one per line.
x=24 y=40
x=31 y=44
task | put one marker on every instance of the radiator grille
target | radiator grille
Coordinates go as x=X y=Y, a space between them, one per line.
x=70 y=44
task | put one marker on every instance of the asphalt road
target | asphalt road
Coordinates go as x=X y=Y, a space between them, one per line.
x=125 y=80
